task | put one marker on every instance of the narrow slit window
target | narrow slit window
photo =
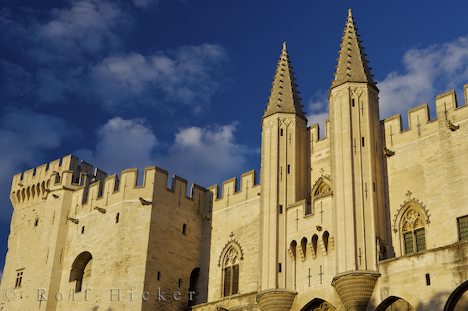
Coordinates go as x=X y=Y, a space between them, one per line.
x=36 y=222
x=180 y=282
x=281 y=209
x=184 y=229
x=159 y=275
x=428 y=279
x=289 y=169
x=19 y=279
x=353 y=102
x=82 y=229
x=279 y=267
x=281 y=132
x=117 y=218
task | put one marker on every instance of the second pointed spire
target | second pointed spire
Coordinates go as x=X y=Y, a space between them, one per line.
x=352 y=63
x=284 y=97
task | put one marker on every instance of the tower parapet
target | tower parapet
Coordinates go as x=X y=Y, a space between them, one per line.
x=154 y=186
x=233 y=192
x=449 y=115
x=34 y=185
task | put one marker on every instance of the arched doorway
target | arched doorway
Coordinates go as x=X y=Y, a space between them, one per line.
x=194 y=276
x=458 y=300
x=318 y=304
x=394 y=303
x=81 y=270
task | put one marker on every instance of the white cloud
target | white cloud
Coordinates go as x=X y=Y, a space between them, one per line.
x=188 y=75
x=122 y=144
x=25 y=136
x=428 y=71
x=207 y=155
x=86 y=25
x=204 y=155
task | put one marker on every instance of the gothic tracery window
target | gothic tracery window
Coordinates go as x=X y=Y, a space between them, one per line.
x=231 y=263
x=413 y=232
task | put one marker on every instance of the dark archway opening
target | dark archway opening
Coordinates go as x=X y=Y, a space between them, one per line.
x=458 y=300
x=194 y=276
x=318 y=304
x=81 y=268
x=394 y=303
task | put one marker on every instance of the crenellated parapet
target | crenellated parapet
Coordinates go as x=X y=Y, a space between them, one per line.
x=449 y=117
x=92 y=189
x=319 y=146
x=314 y=132
x=34 y=185
x=121 y=187
x=233 y=192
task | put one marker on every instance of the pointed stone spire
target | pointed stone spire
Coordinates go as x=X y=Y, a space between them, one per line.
x=352 y=64
x=284 y=97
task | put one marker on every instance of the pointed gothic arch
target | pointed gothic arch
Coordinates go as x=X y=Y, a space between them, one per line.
x=411 y=225
x=322 y=188
x=314 y=244
x=292 y=249
x=304 y=247
x=318 y=304
x=231 y=270
x=394 y=303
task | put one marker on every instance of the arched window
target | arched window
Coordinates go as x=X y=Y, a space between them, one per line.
x=314 y=243
x=322 y=188
x=81 y=270
x=231 y=263
x=304 y=247
x=412 y=230
x=325 y=237
x=292 y=247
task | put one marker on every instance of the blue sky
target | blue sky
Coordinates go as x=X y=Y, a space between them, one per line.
x=183 y=84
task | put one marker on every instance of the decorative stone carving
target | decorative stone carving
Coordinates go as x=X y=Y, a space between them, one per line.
x=355 y=288
x=276 y=300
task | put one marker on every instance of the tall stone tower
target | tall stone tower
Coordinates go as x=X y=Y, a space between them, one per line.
x=357 y=172
x=283 y=170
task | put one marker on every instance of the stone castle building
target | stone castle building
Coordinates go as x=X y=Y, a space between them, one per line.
x=370 y=217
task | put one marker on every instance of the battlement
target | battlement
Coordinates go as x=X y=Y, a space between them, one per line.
x=449 y=115
x=35 y=184
x=93 y=185
x=233 y=192
x=115 y=189
x=314 y=131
